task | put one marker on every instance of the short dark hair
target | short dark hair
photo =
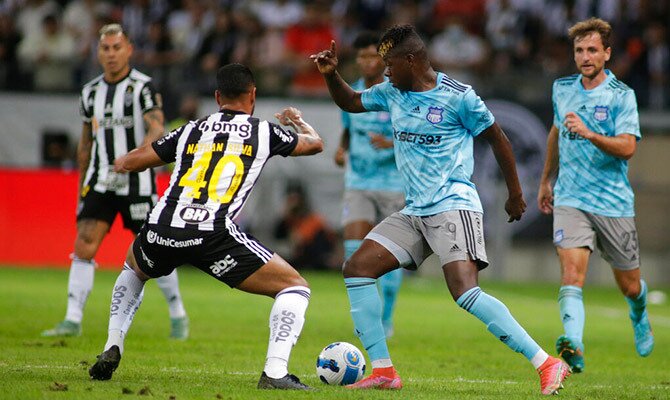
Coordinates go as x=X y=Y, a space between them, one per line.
x=113 y=29
x=401 y=38
x=232 y=80
x=591 y=25
x=365 y=39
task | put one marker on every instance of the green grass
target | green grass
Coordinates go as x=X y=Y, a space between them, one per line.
x=439 y=350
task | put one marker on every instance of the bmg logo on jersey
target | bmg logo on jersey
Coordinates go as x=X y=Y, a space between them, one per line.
x=219 y=268
x=195 y=214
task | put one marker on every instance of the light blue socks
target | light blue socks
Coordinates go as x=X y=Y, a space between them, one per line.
x=571 y=306
x=389 y=285
x=638 y=304
x=366 y=311
x=498 y=321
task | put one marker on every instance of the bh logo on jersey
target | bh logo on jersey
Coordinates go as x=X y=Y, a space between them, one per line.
x=434 y=115
x=194 y=214
x=601 y=113
x=222 y=266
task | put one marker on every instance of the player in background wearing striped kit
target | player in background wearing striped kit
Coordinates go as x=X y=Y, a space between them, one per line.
x=121 y=110
x=218 y=160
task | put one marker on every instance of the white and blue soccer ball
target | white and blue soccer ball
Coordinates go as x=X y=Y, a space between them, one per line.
x=340 y=363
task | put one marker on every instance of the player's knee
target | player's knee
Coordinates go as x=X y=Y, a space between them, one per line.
x=297 y=280
x=85 y=247
x=631 y=290
x=353 y=267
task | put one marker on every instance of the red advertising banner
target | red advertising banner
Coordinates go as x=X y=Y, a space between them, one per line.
x=37 y=220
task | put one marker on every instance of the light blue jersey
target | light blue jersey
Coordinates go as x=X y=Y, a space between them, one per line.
x=370 y=168
x=588 y=178
x=433 y=136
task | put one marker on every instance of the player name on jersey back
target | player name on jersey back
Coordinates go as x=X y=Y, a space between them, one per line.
x=217 y=162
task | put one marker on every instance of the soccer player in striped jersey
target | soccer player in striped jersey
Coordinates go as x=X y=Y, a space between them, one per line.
x=435 y=120
x=218 y=159
x=373 y=185
x=121 y=110
x=595 y=131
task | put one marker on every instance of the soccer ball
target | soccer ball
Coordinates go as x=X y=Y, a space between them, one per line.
x=340 y=363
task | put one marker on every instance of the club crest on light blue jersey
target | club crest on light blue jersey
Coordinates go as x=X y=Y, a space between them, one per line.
x=601 y=113
x=434 y=115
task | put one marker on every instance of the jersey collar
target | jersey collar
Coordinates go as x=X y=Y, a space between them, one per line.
x=610 y=76
x=233 y=112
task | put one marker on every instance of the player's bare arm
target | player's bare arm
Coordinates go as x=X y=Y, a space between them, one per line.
x=545 y=195
x=342 y=149
x=621 y=146
x=154 y=121
x=502 y=149
x=344 y=96
x=309 y=141
x=138 y=160
x=84 y=151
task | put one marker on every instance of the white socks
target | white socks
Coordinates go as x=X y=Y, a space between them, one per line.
x=126 y=299
x=79 y=286
x=286 y=321
x=539 y=358
x=170 y=286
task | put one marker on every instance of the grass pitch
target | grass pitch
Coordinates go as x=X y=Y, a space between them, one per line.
x=440 y=351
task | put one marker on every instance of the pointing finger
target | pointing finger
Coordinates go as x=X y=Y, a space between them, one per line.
x=332 y=46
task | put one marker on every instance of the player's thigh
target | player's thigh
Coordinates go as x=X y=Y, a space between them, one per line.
x=232 y=256
x=395 y=242
x=357 y=206
x=273 y=277
x=95 y=215
x=134 y=210
x=456 y=236
x=617 y=241
x=573 y=229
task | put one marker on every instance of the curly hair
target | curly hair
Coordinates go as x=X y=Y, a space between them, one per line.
x=397 y=36
x=591 y=25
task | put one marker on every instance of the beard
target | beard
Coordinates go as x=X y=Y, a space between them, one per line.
x=593 y=74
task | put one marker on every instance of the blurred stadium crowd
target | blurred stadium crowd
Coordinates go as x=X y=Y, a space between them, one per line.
x=496 y=45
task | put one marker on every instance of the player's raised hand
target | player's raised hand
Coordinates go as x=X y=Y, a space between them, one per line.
x=515 y=206
x=545 y=198
x=326 y=60
x=289 y=116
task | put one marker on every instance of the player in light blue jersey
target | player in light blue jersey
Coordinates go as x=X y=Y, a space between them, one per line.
x=435 y=120
x=595 y=131
x=373 y=185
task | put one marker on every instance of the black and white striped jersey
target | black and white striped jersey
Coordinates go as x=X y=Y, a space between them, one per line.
x=116 y=112
x=218 y=159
